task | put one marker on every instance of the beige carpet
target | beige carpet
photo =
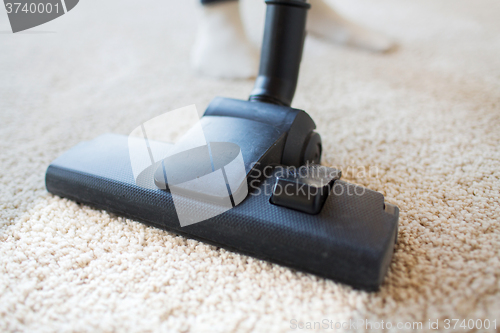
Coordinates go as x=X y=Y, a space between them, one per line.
x=426 y=119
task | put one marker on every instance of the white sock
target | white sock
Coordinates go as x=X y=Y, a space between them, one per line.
x=323 y=21
x=222 y=49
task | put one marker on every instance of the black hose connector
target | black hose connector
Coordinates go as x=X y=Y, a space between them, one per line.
x=281 y=54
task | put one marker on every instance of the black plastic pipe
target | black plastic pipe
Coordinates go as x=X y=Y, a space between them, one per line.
x=281 y=54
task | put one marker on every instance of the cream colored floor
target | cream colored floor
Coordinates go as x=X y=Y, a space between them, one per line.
x=426 y=117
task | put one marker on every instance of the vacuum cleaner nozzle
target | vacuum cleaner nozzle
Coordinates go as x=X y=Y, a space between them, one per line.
x=255 y=186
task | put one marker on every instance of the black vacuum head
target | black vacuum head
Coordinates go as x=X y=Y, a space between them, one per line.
x=351 y=240
x=260 y=195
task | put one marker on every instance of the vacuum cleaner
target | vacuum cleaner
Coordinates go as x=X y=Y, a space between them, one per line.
x=276 y=202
